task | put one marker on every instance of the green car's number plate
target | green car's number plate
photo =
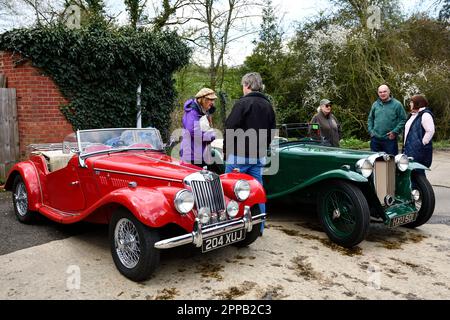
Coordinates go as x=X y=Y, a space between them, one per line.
x=223 y=240
x=407 y=218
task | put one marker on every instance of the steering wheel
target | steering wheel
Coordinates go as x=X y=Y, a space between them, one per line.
x=119 y=143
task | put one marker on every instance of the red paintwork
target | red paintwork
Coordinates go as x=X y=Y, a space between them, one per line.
x=73 y=193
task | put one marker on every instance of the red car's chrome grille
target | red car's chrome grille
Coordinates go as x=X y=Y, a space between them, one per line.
x=209 y=194
x=384 y=179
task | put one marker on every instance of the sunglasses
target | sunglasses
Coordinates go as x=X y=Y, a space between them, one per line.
x=328 y=105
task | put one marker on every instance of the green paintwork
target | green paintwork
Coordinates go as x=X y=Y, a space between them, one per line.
x=403 y=185
x=332 y=174
x=416 y=165
x=399 y=210
x=303 y=165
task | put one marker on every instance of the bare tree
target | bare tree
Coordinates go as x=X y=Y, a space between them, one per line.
x=166 y=13
x=215 y=25
x=28 y=12
x=44 y=12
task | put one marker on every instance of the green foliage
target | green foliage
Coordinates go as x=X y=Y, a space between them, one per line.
x=444 y=14
x=336 y=56
x=192 y=78
x=99 y=69
x=354 y=143
x=443 y=144
x=268 y=51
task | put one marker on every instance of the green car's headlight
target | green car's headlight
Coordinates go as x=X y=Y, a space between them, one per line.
x=364 y=167
x=242 y=190
x=184 y=201
x=402 y=162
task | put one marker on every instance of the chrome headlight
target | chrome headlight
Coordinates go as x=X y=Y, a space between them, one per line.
x=204 y=215
x=364 y=167
x=184 y=201
x=242 y=190
x=232 y=209
x=402 y=162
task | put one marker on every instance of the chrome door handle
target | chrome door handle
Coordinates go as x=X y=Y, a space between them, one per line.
x=74 y=183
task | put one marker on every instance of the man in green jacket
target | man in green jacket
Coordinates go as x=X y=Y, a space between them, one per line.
x=386 y=121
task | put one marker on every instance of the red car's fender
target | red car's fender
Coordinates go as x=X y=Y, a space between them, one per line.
x=153 y=207
x=257 y=192
x=31 y=179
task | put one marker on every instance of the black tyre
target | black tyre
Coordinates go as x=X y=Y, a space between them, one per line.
x=20 y=201
x=424 y=199
x=252 y=235
x=132 y=246
x=344 y=213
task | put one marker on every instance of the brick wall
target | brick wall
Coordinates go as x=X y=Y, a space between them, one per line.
x=38 y=103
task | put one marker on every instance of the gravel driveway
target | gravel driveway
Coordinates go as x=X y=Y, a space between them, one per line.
x=293 y=260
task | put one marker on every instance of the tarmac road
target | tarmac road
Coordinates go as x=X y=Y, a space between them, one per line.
x=293 y=260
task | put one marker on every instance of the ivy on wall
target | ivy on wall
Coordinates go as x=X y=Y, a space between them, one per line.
x=99 y=69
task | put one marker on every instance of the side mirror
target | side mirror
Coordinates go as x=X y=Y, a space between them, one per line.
x=173 y=141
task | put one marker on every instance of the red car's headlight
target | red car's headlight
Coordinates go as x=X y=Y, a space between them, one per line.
x=184 y=201
x=242 y=190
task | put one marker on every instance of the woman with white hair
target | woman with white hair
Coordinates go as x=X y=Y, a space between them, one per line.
x=330 y=128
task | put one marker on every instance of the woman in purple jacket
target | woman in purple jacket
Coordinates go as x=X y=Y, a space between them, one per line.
x=197 y=134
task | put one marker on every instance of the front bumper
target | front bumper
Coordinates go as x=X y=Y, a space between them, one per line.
x=196 y=237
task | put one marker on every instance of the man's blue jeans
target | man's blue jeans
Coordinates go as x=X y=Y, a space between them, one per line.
x=250 y=166
x=386 y=145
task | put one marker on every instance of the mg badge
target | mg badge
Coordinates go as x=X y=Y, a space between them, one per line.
x=209 y=176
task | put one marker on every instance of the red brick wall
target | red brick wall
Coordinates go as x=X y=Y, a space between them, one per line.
x=38 y=103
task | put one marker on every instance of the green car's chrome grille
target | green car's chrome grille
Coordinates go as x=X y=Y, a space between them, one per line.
x=384 y=180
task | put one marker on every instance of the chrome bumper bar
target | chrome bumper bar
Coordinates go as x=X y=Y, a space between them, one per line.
x=196 y=237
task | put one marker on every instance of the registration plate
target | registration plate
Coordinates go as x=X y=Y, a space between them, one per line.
x=223 y=240
x=407 y=218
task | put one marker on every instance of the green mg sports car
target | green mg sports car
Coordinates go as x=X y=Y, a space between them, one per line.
x=350 y=187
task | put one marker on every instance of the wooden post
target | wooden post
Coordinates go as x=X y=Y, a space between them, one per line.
x=9 y=131
x=2 y=80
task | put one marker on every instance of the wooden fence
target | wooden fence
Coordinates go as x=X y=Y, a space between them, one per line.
x=9 y=131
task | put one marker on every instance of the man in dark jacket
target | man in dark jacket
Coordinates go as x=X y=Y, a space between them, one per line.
x=249 y=130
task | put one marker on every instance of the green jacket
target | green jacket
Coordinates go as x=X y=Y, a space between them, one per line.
x=385 y=117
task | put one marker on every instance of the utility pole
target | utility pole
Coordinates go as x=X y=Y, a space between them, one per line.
x=138 y=106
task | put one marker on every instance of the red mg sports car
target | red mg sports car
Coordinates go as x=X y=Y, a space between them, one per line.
x=123 y=178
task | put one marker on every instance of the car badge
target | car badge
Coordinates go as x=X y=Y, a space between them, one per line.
x=208 y=176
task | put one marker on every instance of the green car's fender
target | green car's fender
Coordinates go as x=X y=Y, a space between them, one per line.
x=332 y=174
x=416 y=165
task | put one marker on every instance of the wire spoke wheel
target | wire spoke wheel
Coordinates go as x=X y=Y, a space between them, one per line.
x=344 y=212
x=21 y=199
x=127 y=243
x=339 y=213
x=133 y=246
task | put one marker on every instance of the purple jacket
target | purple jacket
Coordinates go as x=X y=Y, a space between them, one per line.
x=194 y=141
